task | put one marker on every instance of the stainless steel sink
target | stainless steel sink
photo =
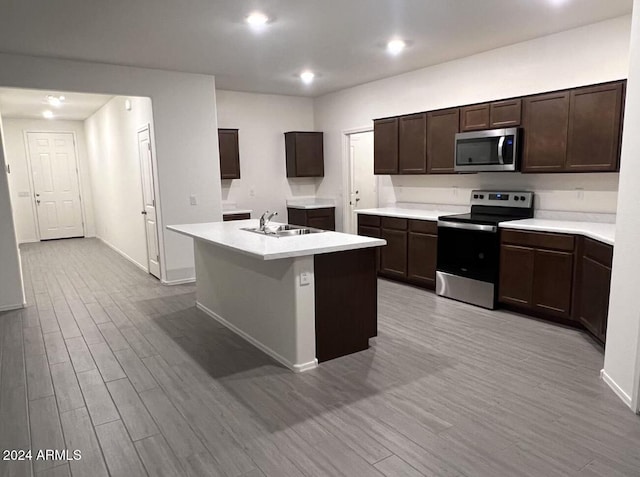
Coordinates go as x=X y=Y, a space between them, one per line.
x=283 y=230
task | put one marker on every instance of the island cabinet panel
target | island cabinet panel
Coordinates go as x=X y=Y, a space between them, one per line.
x=546 y=124
x=304 y=154
x=442 y=127
x=412 y=144
x=474 y=118
x=323 y=218
x=594 y=283
x=536 y=273
x=385 y=146
x=345 y=302
x=506 y=114
x=595 y=125
x=229 y=153
x=422 y=253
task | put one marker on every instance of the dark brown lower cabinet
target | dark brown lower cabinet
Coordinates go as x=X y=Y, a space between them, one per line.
x=516 y=275
x=422 y=253
x=346 y=304
x=553 y=282
x=594 y=278
x=536 y=272
x=411 y=251
x=323 y=218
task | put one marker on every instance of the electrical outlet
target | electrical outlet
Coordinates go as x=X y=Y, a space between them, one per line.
x=305 y=279
x=252 y=192
x=193 y=200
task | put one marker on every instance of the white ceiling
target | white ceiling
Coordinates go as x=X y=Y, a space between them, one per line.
x=30 y=103
x=340 y=39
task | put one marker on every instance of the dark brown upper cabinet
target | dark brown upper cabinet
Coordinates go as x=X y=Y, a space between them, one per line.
x=229 y=153
x=474 y=118
x=546 y=124
x=442 y=127
x=412 y=144
x=385 y=146
x=506 y=114
x=304 y=153
x=594 y=128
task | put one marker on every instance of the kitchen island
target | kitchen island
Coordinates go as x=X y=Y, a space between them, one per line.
x=301 y=299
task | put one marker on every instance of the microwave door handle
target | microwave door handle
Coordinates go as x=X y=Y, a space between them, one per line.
x=500 y=149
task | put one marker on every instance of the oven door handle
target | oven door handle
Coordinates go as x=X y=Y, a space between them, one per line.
x=467 y=226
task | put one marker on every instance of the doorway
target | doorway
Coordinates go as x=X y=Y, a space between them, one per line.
x=149 y=200
x=54 y=173
x=362 y=183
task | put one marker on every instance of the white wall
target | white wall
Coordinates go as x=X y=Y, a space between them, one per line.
x=587 y=55
x=623 y=340
x=116 y=182
x=11 y=291
x=20 y=181
x=262 y=120
x=184 y=113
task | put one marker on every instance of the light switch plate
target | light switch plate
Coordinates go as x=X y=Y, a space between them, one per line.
x=305 y=279
x=193 y=200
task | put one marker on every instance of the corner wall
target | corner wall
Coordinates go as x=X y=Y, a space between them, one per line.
x=184 y=112
x=116 y=182
x=622 y=353
x=262 y=120
x=591 y=54
x=11 y=290
x=20 y=181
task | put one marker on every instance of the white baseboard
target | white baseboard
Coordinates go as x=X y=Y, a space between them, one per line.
x=616 y=389
x=12 y=307
x=117 y=250
x=178 y=282
x=298 y=368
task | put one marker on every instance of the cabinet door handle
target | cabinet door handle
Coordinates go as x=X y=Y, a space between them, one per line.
x=144 y=212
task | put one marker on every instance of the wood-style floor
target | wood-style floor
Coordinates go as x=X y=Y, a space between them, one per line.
x=108 y=361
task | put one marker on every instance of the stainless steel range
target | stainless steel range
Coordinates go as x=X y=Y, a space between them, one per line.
x=469 y=245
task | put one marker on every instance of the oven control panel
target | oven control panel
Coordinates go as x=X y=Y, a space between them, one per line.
x=520 y=199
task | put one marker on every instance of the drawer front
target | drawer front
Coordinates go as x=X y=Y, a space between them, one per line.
x=539 y=240
x=369 y=220
x=598 y=251
x=324 y=212
x=394 y=223
x=230 y=217
x=424 y=226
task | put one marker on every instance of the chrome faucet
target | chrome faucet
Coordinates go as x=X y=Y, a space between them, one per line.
x=265 y=219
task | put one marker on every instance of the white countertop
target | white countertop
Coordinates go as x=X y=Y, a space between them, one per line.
x=418 y=214
x=236 y=211
x=597 y=231
x=310 y=203
x=229 y=235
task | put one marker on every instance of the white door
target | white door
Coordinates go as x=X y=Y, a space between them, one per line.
x=363 y=192
x=149 y=201
x=55 y=181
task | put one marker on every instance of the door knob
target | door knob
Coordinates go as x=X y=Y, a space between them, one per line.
x=144 y=212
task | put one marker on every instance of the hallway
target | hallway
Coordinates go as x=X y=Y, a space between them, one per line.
x=107 y=360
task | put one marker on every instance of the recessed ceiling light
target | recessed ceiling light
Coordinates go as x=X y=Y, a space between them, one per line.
x=47 y=114
x=307 y=76
x=55 y=100
x=257 y=19
x=396 y=46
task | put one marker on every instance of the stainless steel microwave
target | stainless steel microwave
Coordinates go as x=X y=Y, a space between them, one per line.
x=491 y=150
